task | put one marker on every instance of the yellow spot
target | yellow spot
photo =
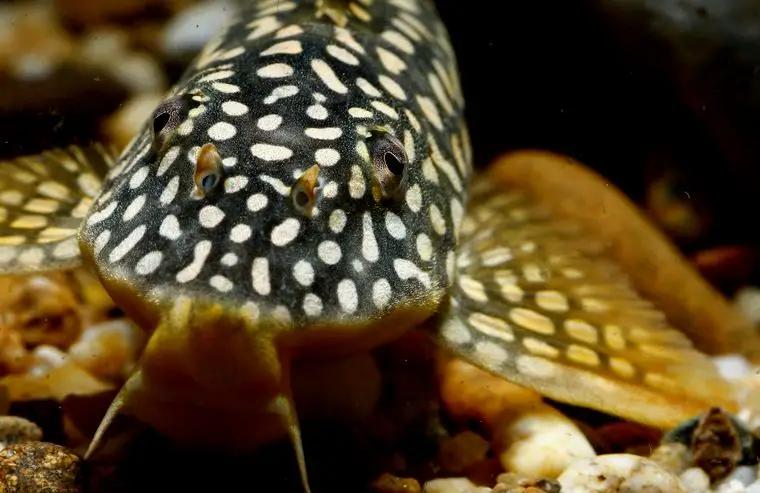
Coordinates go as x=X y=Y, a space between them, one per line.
x=491 y=326
x=53 y=190
x=594 y=305
x=532 y=321
x=552 y=301
x=582 y=331
x=29 y=222
x=512 y=293
x=660 y=351
x=82 y=208
x=536 y=367
x=538 y=347
x=622 y=367
x=55 y=234
x=473 y=289
x=613 y=337
x=359 y=12
x=455 y=331
x=12 y=240
x=11 y=197
x=572 y=273
x=42 y=206
x=32 y=256
x=660 y=381
x=490 y=354
x=24 y=177
x=582 y=355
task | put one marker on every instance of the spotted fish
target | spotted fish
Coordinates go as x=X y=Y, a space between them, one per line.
x=306 y=189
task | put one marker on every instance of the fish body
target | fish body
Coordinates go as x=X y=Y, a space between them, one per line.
x=235 y=281
x=306 y=191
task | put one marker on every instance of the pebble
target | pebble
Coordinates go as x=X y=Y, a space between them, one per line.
x=745 y=474
x=695 y=480
x=14 y=429
x=190 y=30
x=734 y=486
x=31 y=467
x=388 y=483
x=461 y=451
x=108 y=350
x=747 y=299
x=673 y=457
x=540 y=442
x=618 y=473
x=453 y=485
x=753 y=488
x=732 y=366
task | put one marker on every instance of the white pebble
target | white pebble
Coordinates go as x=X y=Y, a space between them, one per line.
x=734 y=486
x=540 y=443
x=453 y=485
x=747 y=300
x=618 y=473
x=732 y=366
x=695 y=480
x=753 y=488
x=746 y=474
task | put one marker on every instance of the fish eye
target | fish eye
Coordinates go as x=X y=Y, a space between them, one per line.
x=304 y=192
x=169 y=115
x=208 y=170
x=389 y=160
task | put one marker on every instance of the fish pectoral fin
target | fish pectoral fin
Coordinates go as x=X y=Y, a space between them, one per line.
x=537 y=301
x=43 y=199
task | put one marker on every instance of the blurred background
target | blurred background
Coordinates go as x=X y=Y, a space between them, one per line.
x=660 y=96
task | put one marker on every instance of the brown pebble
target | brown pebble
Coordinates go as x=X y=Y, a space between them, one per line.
x=462 y=451
x=514 y=483
x=39 y=467
x=14 y=429
x=716 y=444
x=388 y=483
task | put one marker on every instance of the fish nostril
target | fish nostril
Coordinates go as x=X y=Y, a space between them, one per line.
x=208 y=170
x=304 y=192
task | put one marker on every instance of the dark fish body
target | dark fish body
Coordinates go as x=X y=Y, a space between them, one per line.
x=232 y=283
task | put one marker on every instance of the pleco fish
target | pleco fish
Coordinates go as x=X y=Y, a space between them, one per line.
x=305 y=189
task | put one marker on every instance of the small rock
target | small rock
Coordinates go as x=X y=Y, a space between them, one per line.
x=388 y=483
x=188 y=32
x=40 y=467
x=618 y=473
x=453 y=485
x=673 y=457
x=732 y=366
x=734 y=486
x=695 y=480
x=462 y=451
x=747 y=299
x=746 y=474
x=109 y=350
x=540 y=442
x=44 y=310
x=753 y=488
x=514 y=483
x=14 y=429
